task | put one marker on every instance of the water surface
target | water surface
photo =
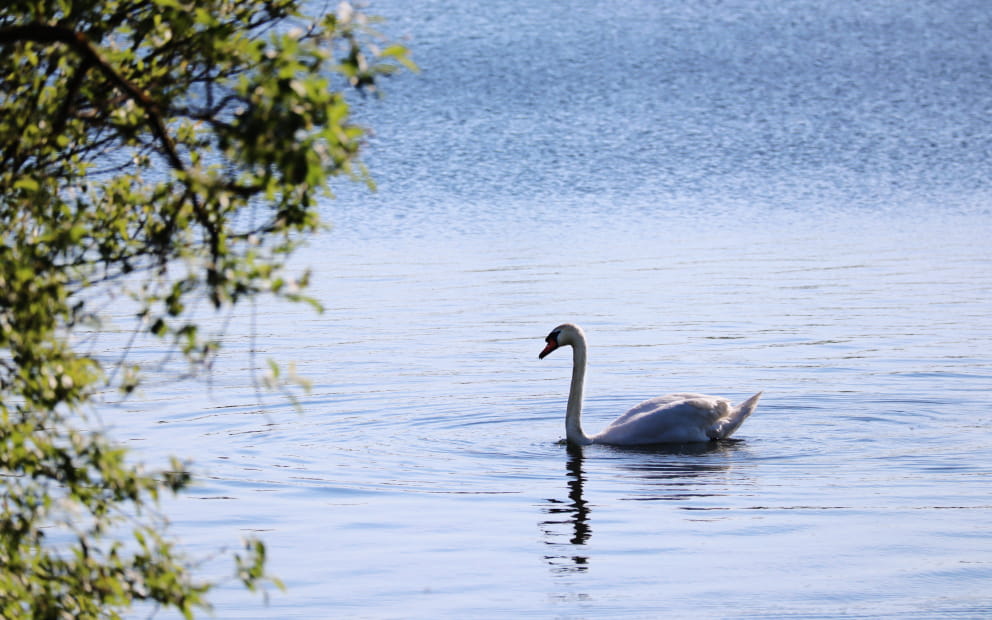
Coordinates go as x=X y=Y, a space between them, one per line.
x=729 y=197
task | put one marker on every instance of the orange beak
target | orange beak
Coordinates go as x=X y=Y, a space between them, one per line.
x=552 y=345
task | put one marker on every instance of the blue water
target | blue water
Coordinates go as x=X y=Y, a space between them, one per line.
x=641 y=108
x=730 y=197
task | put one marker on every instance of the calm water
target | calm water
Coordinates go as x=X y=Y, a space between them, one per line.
x=730 y=197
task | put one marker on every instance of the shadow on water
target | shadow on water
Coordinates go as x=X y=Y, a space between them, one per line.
x=672 y=472
x=678 y=472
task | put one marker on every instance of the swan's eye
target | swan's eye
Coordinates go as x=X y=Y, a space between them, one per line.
x=552 y=337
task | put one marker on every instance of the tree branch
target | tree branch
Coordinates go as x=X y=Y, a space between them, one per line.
x=45 y=33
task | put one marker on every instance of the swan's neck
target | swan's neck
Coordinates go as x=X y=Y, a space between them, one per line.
x=573 y=411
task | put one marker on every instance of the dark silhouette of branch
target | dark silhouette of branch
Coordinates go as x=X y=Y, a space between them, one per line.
x=80 y=43
x=45 y=33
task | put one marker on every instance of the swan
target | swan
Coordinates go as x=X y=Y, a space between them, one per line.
x=674 y=418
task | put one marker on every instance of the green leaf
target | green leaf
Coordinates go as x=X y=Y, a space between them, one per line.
x=26 y=183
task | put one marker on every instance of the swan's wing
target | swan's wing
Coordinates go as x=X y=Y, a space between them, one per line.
x=726 y=426
x=659 y=402
x=674 y=418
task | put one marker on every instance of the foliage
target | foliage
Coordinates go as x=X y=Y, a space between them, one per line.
x=162 y=152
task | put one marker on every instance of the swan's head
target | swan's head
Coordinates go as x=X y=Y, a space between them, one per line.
x=564 y=334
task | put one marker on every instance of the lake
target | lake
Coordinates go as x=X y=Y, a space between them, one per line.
x=729 y=196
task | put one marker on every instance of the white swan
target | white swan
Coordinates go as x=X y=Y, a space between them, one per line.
x=675 y=418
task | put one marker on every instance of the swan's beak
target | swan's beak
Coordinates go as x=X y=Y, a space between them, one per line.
x=552 y=345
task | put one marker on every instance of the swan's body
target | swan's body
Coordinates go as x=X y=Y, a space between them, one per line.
x=675 y=418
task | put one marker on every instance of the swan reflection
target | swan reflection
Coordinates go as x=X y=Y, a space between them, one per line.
x=680 y=472
x=567 y=527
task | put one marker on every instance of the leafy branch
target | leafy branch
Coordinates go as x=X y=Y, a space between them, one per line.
x=167 y=154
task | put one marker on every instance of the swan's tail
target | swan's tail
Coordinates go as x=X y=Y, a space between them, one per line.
x=738 y=414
